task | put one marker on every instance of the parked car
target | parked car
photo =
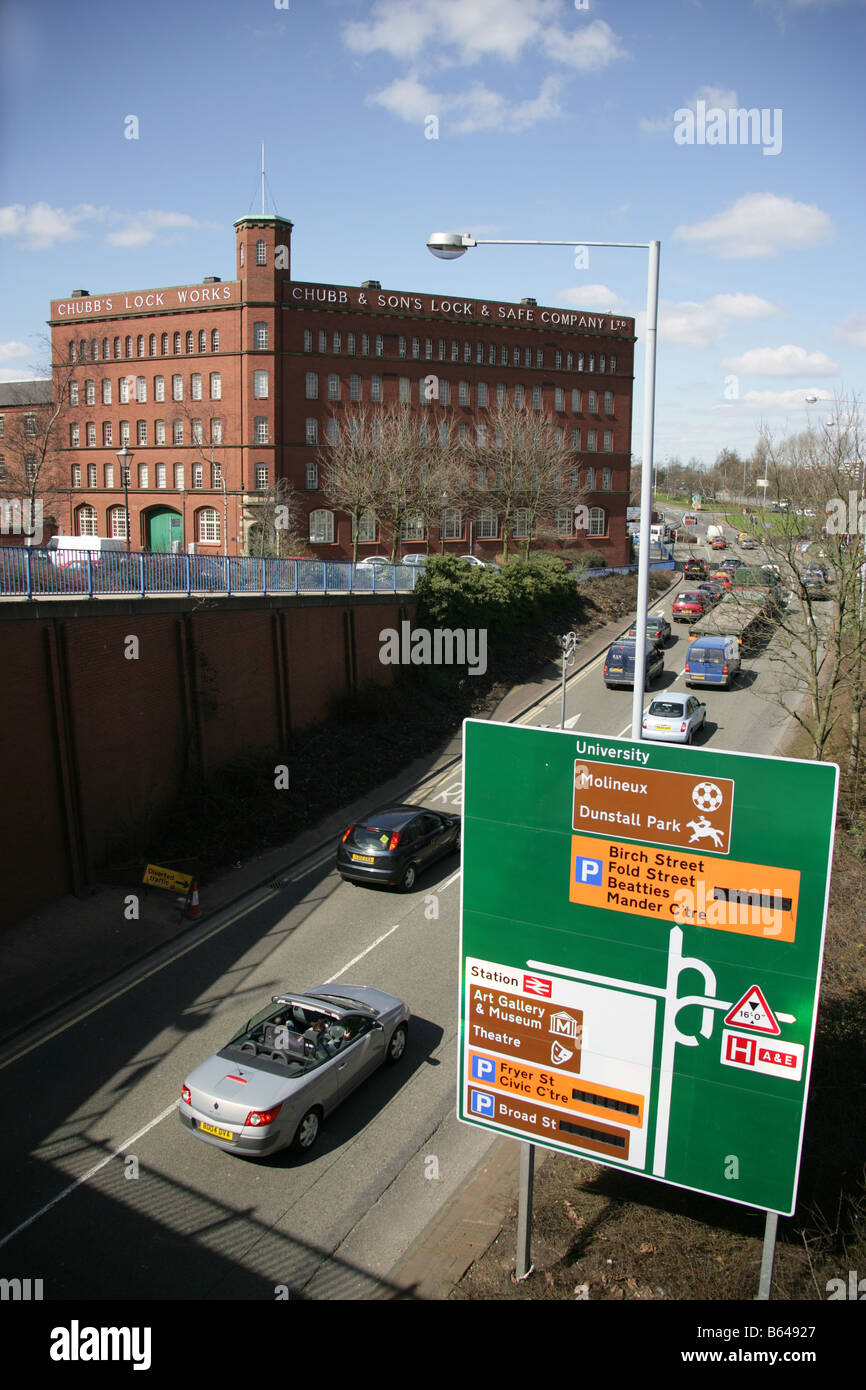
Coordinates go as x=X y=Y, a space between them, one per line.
x=416 y=561
x=690 y=603
x=479 y=564
x=373 y=561
x=658 y=630
x=620 y=659
x=696 y=569
x=674 y=718
x=393 y=844
x=290 y=1065
x=713 y=661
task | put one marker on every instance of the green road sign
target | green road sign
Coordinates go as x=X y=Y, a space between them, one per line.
x=642 y=928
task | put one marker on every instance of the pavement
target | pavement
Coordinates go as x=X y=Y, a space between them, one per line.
x=75 y=952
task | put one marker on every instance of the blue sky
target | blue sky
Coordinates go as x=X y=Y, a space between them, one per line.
x=553 y=120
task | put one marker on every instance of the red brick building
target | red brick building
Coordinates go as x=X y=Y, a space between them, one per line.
x=221 y=389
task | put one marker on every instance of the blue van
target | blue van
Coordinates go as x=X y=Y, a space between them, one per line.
x=619 y=663
x=713 y=661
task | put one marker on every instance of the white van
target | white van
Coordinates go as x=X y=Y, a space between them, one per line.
x=714 y=531
x=75 y=552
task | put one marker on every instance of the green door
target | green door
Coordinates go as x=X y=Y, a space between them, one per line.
x=163 y=527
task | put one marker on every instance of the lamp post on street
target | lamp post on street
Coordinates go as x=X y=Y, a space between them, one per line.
x=448 y=246
x=125 y=457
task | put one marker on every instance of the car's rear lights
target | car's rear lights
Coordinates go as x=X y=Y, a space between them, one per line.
x=186 y=1095
x=347 y=833
x=394 y=841
x=683 y=727
x=605 y=668
x=724 y=670
x=263 y=1117
x=643 y=726
x=687 y=668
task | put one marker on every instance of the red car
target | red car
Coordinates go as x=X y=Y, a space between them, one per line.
x=718 y=543
x=689 y=604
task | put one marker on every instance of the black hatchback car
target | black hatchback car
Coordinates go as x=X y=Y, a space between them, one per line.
x=394 y=844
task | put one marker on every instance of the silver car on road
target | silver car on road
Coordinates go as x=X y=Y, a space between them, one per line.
x=273 y=1084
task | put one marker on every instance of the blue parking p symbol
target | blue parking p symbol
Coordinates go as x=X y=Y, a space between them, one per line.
x=484 y=1069
x=481 y=1102
x=588 y=870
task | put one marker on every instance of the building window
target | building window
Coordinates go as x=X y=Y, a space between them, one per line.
x=260 y=335
x=611 y=366
x=322 y=528
x=481 y=435
x=163 y=344
x=91 y=475
x=260 y=429
x=519 y=394
x=216 y=431
x=177 y=388
x=607 y=441
x=380 y=345
x=488 y=525
x=216 y=389
x=333 y=430
x=312 y=475
x=260 y=386
x=241 y=255
x=575 y=439
x=564 y=521
x=202 y=341
x=261 y=476
x=333 y=386
x=606 y=479
x=354 y=387
x=405 y=390
x=365 y=345
x=196 y=431
x=312 y=386
x=177 y=431
x=261 y=253
x=124 y=433
x=142 y=475
x=592 y=402
x=89 y=399
x=350 y=344
x=73 y=400
x=128 y=345
x=91 y=435
x=159 y=431
x=559 y=398
x=365 y=531
x=178 y=476
x=195 y=386
x=108 y=475
x=323 y=341
x=401 y=347
x=482 y=393
x=216 y=474
x=198 y=475
x=536 y=398
x=375 y=388
x=590 y=479
x=141 y=389
x=107 y=437
x=208 y=526
x=337 y=343
x=123 y=390
x=590 y=441
x=412 y=528
x=74 y=439
x=521 y=531
x=190 y=342
x=501 y=393
x=161 y=479
x=106 y=392
x=608 y=402
x=76 y=473
x=308 y=340
x=444 y=391
x=597 y=522
x=215 y=340
x=87 y=522
x=312 y=431
x=451 y=525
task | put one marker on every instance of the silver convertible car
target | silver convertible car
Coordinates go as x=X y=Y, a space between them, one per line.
x=291 y=1064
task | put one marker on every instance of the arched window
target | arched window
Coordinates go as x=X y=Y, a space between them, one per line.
x=597 y=521
x=86 y=521
x=208 y=525
x=117 y=523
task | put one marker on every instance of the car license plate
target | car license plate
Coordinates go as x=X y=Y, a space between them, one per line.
x=364 y=858
x=696 y=676
x=615 y=670
x=218 y=1133
x=663 y=728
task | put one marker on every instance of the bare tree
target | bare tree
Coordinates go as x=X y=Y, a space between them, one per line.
x=815 y=480
x=274 y=518
x=517 y=468
x=33 y=478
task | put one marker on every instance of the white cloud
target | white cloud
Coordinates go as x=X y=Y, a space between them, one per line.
x=592 y=297
x=787 y=360
x=13 y=352
x=143 y=227
x=476 y=109
x=691 y=323
x=794 y=399
x=759 y=225
x=40 y=226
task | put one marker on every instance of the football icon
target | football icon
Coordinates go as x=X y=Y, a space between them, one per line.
x=707 y=796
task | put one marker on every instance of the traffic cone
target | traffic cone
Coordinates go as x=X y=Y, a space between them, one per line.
x=192 y=908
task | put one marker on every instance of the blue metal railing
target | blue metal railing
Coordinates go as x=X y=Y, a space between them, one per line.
x=31 y=572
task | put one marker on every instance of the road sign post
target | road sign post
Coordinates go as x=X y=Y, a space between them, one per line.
x=642 y=931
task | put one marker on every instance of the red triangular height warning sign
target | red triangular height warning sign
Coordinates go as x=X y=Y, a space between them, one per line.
x=753 y=1011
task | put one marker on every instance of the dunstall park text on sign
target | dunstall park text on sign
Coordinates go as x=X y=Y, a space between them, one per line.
x=642 y=929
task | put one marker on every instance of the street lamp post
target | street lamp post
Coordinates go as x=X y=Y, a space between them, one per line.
x=125 y=457
x=448 y=246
